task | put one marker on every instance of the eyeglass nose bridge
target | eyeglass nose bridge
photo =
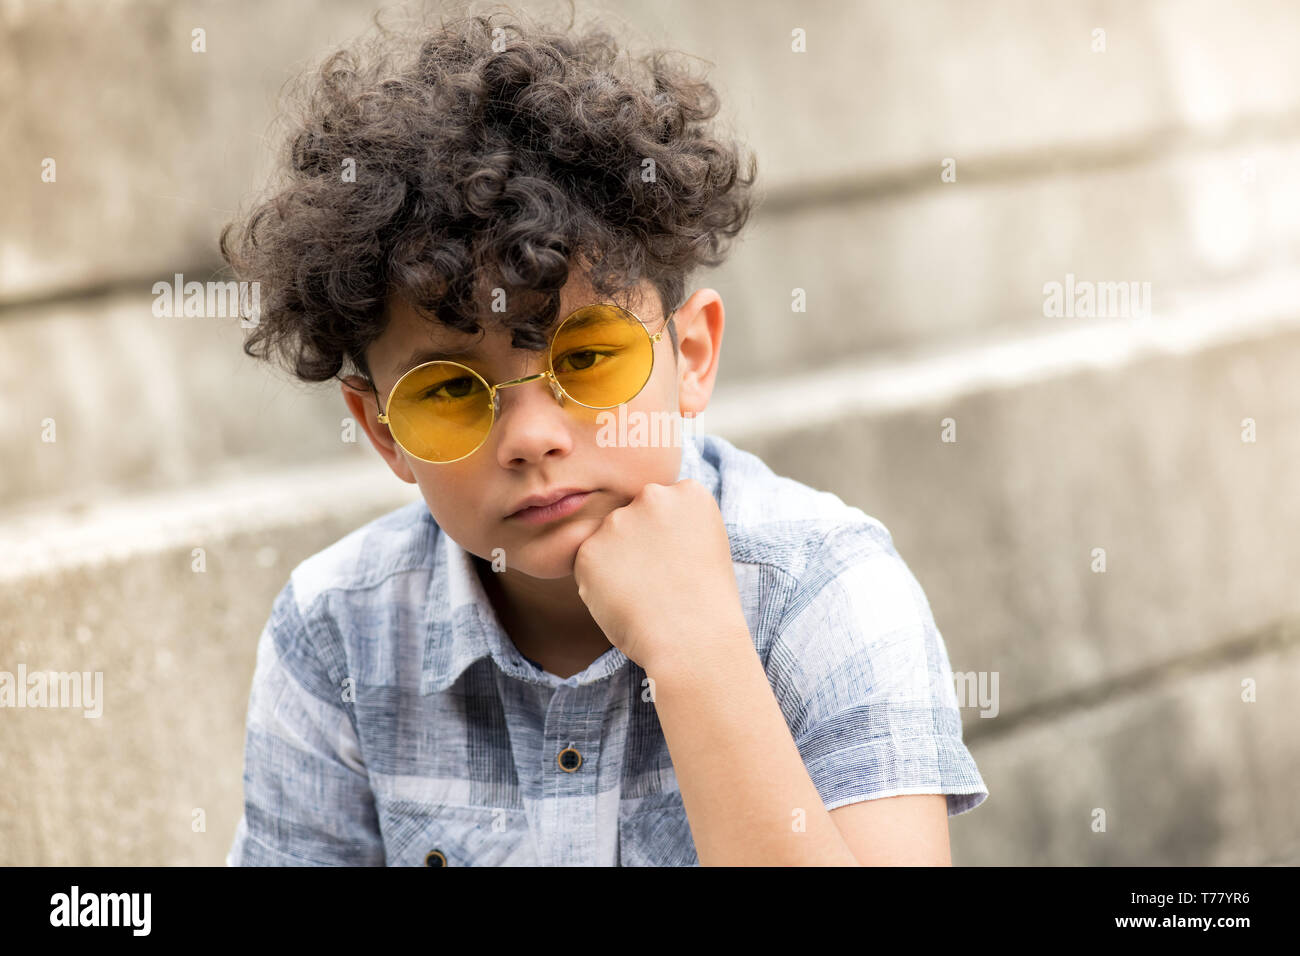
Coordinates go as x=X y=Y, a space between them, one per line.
x=556 y=390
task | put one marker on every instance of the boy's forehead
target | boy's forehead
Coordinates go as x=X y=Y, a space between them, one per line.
x=413 y=326
x=409 y=323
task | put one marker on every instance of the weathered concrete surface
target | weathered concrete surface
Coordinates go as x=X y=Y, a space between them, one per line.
x=140 y=402
x=1186 y=772
x=164 y=143
x=1145 y=461
x=177 y=649
x=947 y=263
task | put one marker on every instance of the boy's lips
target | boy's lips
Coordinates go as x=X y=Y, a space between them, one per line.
x=550 y=505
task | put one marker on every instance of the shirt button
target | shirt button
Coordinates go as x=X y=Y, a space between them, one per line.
x=435 y=858
x=570 y=760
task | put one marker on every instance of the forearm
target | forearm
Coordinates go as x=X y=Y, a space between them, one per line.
x=747 y=794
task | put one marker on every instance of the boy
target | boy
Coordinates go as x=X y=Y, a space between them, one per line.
x=574 y=650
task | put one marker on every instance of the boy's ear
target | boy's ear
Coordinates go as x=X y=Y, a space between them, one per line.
x=361 y=403
x=701 y=319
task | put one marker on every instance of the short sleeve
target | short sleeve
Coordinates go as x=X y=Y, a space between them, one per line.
x=307 y=796
x=863 y=679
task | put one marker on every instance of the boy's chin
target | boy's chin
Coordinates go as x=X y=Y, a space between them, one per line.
x=552 y=553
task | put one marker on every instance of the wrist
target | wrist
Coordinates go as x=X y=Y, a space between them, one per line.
x=703 y=654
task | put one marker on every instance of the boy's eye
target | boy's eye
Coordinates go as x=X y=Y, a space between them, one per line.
x=453 y=389
x=580 y=360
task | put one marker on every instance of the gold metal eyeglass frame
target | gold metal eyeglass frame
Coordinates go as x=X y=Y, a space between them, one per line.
x=556 y=388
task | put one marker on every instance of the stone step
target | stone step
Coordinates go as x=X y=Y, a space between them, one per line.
x=165 y=143
x=1181 y=771
x=941 y=266
x=118 y=591
x=135 y=403
x=1113 y=440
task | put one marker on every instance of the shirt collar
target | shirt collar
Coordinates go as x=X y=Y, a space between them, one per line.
x=462 y=625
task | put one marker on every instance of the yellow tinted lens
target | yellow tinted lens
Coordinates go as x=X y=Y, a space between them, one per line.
x=602 y=356
x=440 y=412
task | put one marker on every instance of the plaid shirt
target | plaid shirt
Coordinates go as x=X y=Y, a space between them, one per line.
x=391 y=716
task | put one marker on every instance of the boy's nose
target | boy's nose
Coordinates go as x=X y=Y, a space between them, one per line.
x=533 y=419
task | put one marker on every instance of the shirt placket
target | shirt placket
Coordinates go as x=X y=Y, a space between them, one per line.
x=572 y=740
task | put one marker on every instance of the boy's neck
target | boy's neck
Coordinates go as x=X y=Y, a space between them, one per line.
x=545 y=619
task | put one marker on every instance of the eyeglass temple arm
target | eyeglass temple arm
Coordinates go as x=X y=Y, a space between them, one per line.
x=660 y=334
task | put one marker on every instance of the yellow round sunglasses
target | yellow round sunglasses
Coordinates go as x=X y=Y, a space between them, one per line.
x=600 y=356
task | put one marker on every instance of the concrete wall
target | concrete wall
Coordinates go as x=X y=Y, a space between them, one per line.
x=1167 y=158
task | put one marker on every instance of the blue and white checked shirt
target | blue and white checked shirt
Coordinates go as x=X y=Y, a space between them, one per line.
x=391 y=716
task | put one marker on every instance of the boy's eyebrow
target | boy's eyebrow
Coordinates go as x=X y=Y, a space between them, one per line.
x=422 y=355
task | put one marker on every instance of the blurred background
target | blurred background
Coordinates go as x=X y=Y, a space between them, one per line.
x=1099 y=502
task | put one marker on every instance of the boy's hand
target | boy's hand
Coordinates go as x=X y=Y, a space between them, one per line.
x=657 y=576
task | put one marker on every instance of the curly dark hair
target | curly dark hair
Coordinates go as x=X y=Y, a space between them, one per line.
x=497 y=157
